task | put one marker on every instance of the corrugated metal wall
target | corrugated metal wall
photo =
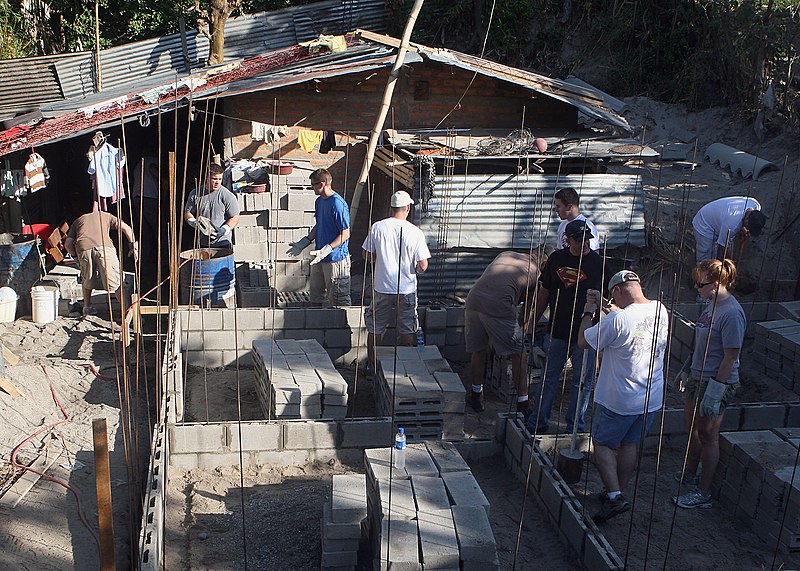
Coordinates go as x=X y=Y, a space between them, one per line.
x=490 y=213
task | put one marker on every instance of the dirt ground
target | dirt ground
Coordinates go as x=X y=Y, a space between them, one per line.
x=45 y=532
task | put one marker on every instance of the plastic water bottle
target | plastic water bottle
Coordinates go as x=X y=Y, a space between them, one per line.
x=420 y=340
x=400 y=449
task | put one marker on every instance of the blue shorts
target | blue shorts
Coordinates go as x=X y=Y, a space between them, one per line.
x=610 y=429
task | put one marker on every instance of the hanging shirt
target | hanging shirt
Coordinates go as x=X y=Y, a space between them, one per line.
x=308 y=139
x=266 y=132
x=106 y=165
x=35 y=173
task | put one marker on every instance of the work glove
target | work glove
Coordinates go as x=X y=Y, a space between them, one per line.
x=223 y=234
x=709 y=406
x=682 y=380
x=320 y=254
x=206 y=227
x=296 y=248
x=191 y=221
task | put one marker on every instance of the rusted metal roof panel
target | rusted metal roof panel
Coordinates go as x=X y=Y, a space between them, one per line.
x=76 y=75
x=490 y=213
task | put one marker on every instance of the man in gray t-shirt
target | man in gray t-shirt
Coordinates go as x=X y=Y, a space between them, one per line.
x=218 y=206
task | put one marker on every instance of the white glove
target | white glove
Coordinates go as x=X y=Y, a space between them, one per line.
x=709 y=406
x=223 y=234
x=191 y=221
x=206 y=227
x=135 y=251
x=296 y=248
x=320 y=254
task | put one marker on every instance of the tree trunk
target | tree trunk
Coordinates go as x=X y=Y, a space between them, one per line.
x=218 y=13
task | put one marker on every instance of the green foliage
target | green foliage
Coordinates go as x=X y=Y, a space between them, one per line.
x=14 y=40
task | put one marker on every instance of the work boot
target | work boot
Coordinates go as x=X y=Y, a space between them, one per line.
x=610 y=508
x=475 y=400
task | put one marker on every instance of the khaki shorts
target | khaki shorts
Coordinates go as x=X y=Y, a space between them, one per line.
x=102 y=261
x=330 y=283
x=695 y=389
x=481 y=330
x=382 y=312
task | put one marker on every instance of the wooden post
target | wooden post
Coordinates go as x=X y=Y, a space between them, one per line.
x=173 y=233
x=103 y=484
x=384 y=110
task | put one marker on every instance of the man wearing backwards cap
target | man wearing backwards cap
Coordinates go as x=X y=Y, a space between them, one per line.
x=717 y=223
x=629 y=391
x=566 y=278
x=399 y=251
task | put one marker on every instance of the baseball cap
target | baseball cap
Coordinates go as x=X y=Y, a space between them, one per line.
x=756 y=222
x=578 y=229
x=621 y=277
x=401 y=198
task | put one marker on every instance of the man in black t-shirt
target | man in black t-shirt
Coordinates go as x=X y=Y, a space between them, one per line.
x=568 y=275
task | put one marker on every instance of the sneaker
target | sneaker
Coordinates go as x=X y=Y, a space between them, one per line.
x=694 y=499
x=475 y=400
x=687 y=480
x=89 y=311
x=611 y=508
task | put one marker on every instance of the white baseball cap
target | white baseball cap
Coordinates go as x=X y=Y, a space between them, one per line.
x=621 y=277
x=401 y=198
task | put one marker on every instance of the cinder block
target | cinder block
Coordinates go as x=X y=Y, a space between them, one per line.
x=289 y=219
x=243 y=319
x=596 y=555
x=572 y=526
x=194 y=438
x=552 y=495
x=419 y=461
x=400 y=502
x=190 y=319
x=732 y=419
x=333 y=530
x=446 y=457
x=430 y=493
x=399 y=546
x=310 y=434
x=285 y=319
x=515 y=438
x=455 y=316
x=366 y=433
x=435 y=320
x=250 y=252
x=438 y=541
x=349 y=498
x=763 y=416
x=256 y=436
x=259 y=219
x=303 y=201
x=339 y=338
x=464 y=490
x=793 y=414
x=476 y=540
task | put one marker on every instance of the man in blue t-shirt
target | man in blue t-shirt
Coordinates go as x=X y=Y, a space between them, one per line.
x=330 y=266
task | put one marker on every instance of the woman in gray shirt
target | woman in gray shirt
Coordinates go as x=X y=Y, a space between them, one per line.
x=719 y=332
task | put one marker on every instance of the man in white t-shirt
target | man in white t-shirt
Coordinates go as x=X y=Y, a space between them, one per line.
x=399 y=252
x=720 y=221
x=629 y=390
x=567 y=207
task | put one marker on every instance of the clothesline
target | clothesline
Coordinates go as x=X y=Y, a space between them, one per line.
x=250 y=121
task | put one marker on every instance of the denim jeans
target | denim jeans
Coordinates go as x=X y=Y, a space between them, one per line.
x=556 y=359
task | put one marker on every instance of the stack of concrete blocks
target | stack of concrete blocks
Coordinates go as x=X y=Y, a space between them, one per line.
x=421 y=392
x=342 y=522
x=431 y=514
x=296 y=379
x=499 y=378
x=754 y=481
x=530 y=464
x=436 y=326
x=269 y=222
x=776 y=351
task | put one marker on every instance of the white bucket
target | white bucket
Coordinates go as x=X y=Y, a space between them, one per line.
x=8 y=305
x=44 y=300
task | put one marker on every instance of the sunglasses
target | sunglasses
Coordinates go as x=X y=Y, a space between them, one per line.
x=702 y=285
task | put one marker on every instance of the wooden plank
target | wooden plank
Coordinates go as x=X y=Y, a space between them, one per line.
x=25 y=483
x=10 y=388
x=103 y=485
x=9 y=356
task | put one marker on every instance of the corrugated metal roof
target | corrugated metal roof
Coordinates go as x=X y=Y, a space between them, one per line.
x=68 y=76
x=491 y=213
x=587 y=99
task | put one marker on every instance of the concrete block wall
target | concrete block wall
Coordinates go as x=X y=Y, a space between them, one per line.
x=754 y=481
x=151 y=533
x=532 y=466
x=282 y=442
x=208 y=338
